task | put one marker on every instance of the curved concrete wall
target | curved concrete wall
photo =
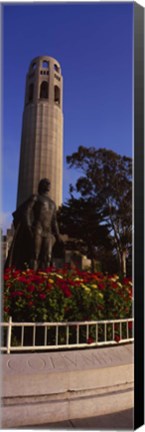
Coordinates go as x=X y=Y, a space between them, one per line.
x=50 y=387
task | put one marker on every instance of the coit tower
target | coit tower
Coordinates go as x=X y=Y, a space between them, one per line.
x=41 y=152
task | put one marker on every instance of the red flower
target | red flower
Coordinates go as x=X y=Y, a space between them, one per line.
x=101 y=307
x=31 y=288
x=6 y=309
x=8 y=270
x=97 y=275
x=42 y=296
x=30 y=303
x=64 y=287
x=117 y=338
x=23 y=279
x=70 y=282
x=101 y=285
x=16 y=273
x=9 y=285
x=17 y=293
x=90 y=340
x=114 y=285
x=37 y=279
x=67 y=292
x=49 y=286
x=130 y=325
x=49 y=269
x=6 y=277
x=126 y=281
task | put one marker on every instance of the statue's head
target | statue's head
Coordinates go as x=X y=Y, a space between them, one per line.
x=44 y=185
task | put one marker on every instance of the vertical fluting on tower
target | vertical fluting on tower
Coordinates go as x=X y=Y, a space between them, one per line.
x=41 y=152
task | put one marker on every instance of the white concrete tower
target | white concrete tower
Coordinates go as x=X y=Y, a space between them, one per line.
x=42 y=130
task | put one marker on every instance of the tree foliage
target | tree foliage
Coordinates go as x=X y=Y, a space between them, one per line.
x=101 y=199
x=80 y=219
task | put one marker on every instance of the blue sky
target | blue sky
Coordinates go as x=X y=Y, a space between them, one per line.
x=94 y=44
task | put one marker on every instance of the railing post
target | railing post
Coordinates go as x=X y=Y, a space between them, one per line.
x=105 y=332
x=67 y=335
x=9 y=336
x=78 y=331
x=56 y=336
x=34 y=334
x=97 y=332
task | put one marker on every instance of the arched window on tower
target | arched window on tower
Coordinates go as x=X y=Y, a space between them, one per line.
x=44 y=90
x=45 y=64
x=56 y=68
x=57 y=95
x=33 y=66
x=31 y=92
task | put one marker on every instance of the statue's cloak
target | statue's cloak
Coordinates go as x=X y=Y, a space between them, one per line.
x=20 y=252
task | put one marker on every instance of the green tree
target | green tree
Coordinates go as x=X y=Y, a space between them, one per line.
x=106 y=181
x=81 y=220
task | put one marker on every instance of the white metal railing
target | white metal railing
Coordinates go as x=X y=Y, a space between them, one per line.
x=60 y=335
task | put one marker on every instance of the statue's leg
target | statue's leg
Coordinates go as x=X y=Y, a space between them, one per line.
x=36 y=250
x=47 y=251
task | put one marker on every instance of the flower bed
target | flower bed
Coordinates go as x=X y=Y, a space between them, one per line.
x=65 y=295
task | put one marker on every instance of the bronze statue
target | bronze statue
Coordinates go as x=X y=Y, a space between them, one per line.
x=36 y=229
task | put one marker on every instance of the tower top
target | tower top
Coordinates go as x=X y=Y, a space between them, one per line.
x=44 y=62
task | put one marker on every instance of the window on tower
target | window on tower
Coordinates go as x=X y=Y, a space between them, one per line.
x=33 y=66
x=45 y=64
x=57 y=77
x=56 y=68
x=31 y=92
x=57 y=95
x=44 y=90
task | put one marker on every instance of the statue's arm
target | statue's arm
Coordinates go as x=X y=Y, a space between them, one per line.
x=55 y=228
x=28 y=211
